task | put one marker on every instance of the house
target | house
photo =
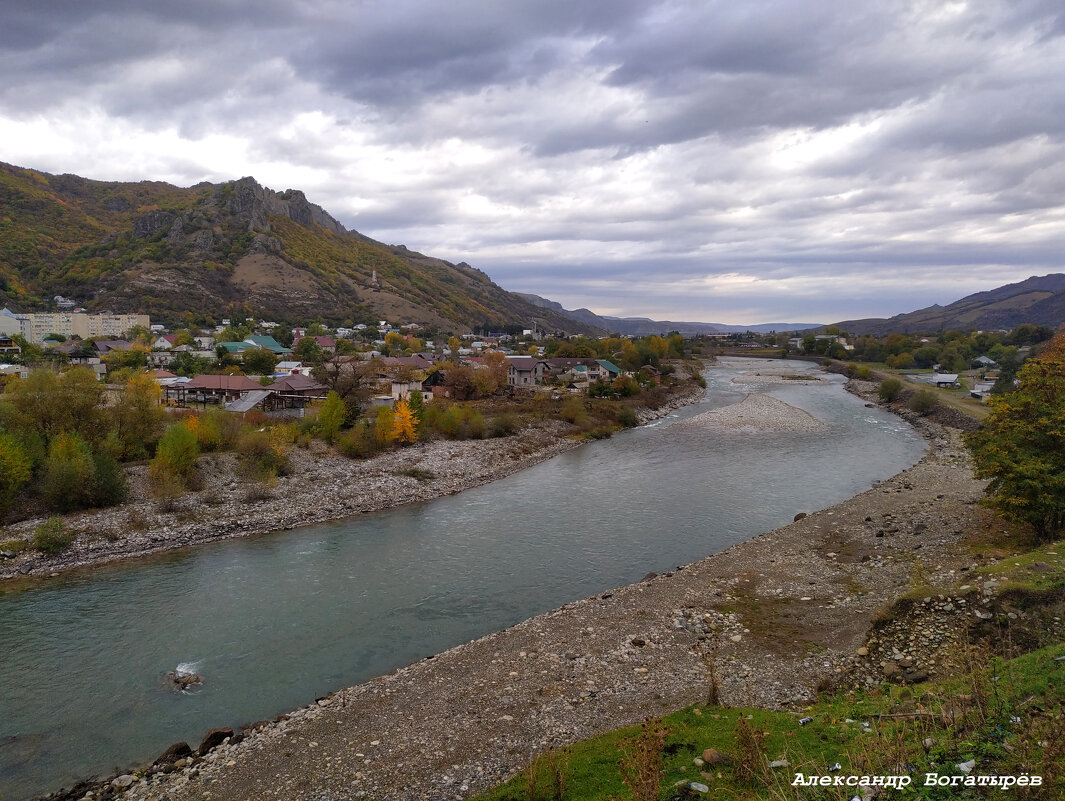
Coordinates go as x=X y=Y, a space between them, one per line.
x=216 y=388
x=301 y=385
x=291 y=368
x=328 y=344
x=165 y=342
x=525 y=371
x=8 y=345
x=107 y=345
x=268 y=343
x=945 y=380
x=984 y=361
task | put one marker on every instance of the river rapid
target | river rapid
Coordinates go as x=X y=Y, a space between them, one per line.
x=274 y=621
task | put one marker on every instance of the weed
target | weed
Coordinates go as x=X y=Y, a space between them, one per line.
x=641 y=761
x=421 y=475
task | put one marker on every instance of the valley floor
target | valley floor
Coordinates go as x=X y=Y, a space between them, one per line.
x=790 y=610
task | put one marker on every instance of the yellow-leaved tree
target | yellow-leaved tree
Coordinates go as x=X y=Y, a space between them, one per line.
x=403 y=430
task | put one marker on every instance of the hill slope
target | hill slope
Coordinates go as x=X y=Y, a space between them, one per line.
x=1039 y=300
x=227 y=250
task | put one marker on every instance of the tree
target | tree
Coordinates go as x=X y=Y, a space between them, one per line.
x=259 y=361
x=383 y=425
x=309 y=351
x=331 y=416
x=54 y=404
x=69 y=474
x=137 y=419
x=403 y=424
x=15 y=470
x=1021 y=446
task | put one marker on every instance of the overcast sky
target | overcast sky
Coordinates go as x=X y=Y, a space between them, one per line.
x=737 y=162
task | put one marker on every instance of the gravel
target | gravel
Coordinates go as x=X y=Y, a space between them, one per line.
x=788 y=611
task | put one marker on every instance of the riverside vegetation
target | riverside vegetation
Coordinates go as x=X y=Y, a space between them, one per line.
x=994 y=728
x=69 y=443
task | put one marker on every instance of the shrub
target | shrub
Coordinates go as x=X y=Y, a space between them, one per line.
x=109 y=481
x=890 y=389
x=923 y=401
x=175 y=458
x=360 y=442
x=69 y=474
x=504 y=425
x=52 y=536
x=627 y=417
x=263 y=455
x=572 y=410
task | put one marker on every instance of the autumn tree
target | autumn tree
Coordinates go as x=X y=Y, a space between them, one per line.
x=54 y=404
x=137 y=420
x=1021 y=445
x=403 y=430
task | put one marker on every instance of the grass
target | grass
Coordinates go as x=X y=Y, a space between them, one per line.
x=1005 y=714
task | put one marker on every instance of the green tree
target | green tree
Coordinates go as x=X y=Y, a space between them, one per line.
x=309 y=351
x=259 y=361
x=15 y=470
x=331 y=416
x=1021 y=446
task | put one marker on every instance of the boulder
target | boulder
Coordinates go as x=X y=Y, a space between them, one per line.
x=213 y=739
x=173 y=754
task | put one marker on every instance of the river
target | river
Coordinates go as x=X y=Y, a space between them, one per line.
x=274 y=621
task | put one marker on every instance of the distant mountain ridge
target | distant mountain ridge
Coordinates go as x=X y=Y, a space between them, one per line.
x=643 y=326
x=1039 y=300
x=230 y=249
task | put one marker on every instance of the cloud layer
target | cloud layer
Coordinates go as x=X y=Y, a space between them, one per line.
x=733 y=162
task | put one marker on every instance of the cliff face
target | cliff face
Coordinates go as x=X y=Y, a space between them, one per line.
x=226 y=250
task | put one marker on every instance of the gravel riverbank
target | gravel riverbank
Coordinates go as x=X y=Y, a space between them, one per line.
x=790 y=610
x=322 y=485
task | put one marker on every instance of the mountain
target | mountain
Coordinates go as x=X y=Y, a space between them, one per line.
x=643 y=326
x=1039 y=300
x=230 y=249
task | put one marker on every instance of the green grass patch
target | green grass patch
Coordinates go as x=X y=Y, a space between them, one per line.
x=1004 y=714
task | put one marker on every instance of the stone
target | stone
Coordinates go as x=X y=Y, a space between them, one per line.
x=798 y=517
x=123 y=781
x=778 y=763
x=863 y=651
x=711 y=756
x=173 y=754
x=213 y=739
x=639 y=642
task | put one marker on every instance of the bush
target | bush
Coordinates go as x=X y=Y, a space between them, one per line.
x=262 y=456
x=923 y=401
x=52 y=536
x=109 y=481
x=572 y=411
x=890 y=389
x=69 y=474
x=15 y=469
x=504 y=425
x=360 y=442
x=627 y=417
x=175 y=458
